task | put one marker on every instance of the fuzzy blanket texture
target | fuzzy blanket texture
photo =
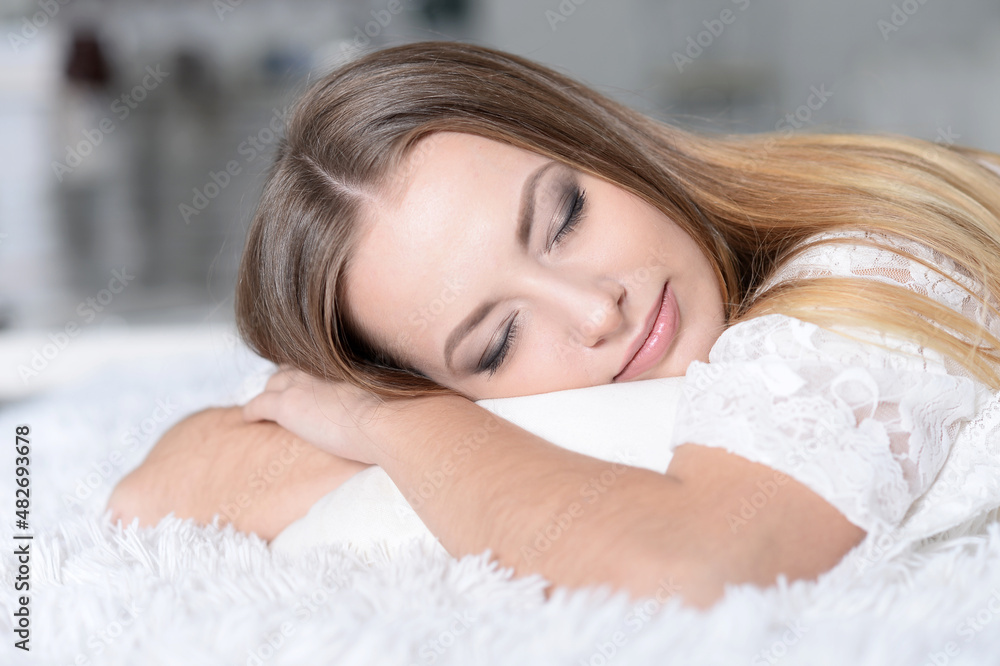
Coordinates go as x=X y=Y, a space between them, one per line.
x=181 y=593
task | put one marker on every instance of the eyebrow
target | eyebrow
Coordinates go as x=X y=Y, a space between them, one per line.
x=526 y=217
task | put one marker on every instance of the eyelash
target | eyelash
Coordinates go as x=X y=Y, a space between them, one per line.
x=575 y=214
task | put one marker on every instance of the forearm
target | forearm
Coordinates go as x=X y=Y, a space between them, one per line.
x=478 y=481
x=257 y=476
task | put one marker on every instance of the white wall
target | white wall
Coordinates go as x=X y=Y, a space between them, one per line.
x=940 y=69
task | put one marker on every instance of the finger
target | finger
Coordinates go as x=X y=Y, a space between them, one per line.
x=264 y=407
x=279 y=381
x=290 y=370
x=296 y=376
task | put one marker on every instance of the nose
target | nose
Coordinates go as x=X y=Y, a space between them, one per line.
x=588 y=309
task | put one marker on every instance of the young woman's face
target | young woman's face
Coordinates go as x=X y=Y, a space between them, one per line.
x=500 y=273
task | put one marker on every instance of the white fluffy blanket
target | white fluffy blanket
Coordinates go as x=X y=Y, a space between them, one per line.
x=181 y=593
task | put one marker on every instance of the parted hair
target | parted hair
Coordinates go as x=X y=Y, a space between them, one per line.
x=750 y=201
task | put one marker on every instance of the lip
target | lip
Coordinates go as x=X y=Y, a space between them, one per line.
x=654 y=339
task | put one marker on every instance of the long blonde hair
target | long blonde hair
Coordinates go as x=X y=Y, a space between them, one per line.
x=749 y=201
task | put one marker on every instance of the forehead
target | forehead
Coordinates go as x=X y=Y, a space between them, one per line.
x=428 y=249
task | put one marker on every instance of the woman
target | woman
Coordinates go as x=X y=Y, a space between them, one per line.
x=445 y=223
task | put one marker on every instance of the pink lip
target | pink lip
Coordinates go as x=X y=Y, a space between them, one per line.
x=656 y=336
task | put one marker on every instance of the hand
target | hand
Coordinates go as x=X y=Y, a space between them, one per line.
x=257 y=476
x=333 y=416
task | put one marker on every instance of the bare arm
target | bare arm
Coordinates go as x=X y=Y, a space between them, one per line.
x=258 y=476
x=481 y=482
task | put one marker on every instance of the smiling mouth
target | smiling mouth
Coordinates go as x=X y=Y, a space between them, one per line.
x=659 y=328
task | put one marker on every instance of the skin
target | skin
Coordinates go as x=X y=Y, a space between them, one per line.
x=452 y=221
x=578 y=305
x=213 y=462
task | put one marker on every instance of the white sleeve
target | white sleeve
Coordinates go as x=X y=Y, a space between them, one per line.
x=866 y=428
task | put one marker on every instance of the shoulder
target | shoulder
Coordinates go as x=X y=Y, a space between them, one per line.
x=890 y=259
x=863 y=255
x=874 y=255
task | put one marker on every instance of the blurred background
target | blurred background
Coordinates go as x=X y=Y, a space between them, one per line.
x=135 y=135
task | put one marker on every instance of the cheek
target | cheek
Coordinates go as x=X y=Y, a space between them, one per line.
x=656 y=255
x=554 y=357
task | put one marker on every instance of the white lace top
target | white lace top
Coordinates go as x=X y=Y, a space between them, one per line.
x=903 y=442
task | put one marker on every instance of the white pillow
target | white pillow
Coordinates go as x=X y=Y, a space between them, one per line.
x=628 y=423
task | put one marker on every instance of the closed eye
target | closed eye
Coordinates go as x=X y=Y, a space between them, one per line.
x=577 y=208
x=575 y=214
